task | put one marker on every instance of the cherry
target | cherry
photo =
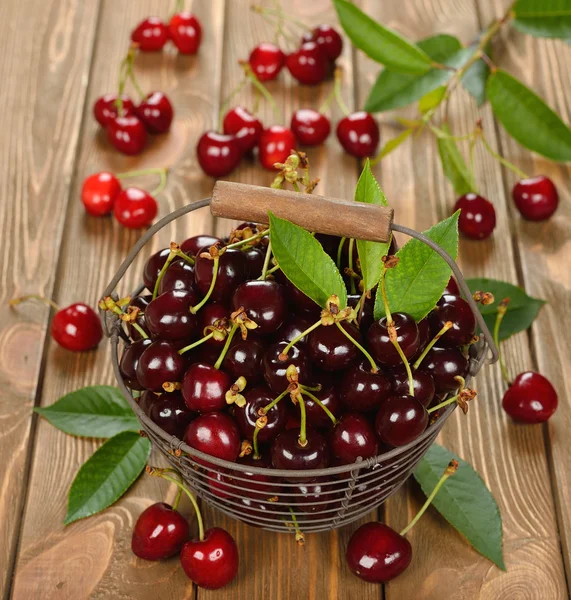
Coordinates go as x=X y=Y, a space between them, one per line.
x=266 y=61
x=288 y=453
x=168 y=316
x=247 y=415
x=160 y=532
x=424 y=389
x=185 y=32
x=376 y=553
x=451 y=288
x=150 y=35
x=214 y=433
x=380 y=345
x=99 y=192
x=275 y=369
x=330 y=350
x=193 y=245
x=458 y=312
x=367 y=317
x=359 y=135
x=178 y=276
x=293 y=328
x=317 y=495
x=156 y=112
x=536 y=198
x=127 y=134
x=264 y=303
x=208 y=315
x=315 y=415
x=244 y=359
x=231 y=273
x=530 y=398
x=310 y=127
x=134 y=208
x=105 y=108
x=77 y=327
x=444 y=364
x=153 y=267
x=362 y=390
x=309 y=64
x=255 y=258
x=146 y=401
x=141 y=302
x=353 y=437
x=244 y=126
x=276 y=143
x=300 y=301
x=204 y=388
x=329 y=40
x=218 y=154
x=400 y=420
x=159 y=363
x=423 y=336
x=478 y=217
x=259 y=487
x=170 y=414
x=129 y=361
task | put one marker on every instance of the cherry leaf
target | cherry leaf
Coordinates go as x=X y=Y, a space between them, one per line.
x=454 y=165
x=543 y=18
x=476 y=77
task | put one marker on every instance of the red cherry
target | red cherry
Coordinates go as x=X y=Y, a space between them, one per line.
x=204 y=388
x=536 y=198
x=327 y=38
x=99 y=192
x=218 y=154
x=134 y=208
x=127 y=134
x=359 y=135
x=160 y=532
x=77 y=327
x=214 y=433
x=310 y=127
x=185 y=32
x=156 y=112
x=105 y=108
x=530 y=398
x=244 y=126
x=276 y=143
x=309 y=64
x=478 y=217
x=151 y=34
x=266 y=60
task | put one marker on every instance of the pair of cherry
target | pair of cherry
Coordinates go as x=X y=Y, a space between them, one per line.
x=183 y=29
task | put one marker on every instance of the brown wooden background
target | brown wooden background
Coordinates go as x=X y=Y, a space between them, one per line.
x=57 y=57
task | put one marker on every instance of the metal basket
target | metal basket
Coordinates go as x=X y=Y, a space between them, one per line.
x=344 y=494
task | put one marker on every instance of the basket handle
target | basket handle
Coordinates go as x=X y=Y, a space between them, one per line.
x=332 y=216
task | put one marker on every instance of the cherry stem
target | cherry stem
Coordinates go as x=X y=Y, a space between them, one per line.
x=296 y=339
x=47 y=301
x=227 y=101
x=406 y=366
x=303 y=422
x=194 y=344
x=162 y=183
x=162 y=272
x=218 y=363
x=140 y=330
x=443 y=404
x=385 y=299
x=447 y=326
x=269 y=406
x=502 y=160
x=374 y=368
x=450 y=470
x=178 y=6
x=340 y=252
x=195 y=309
x=141 y=172
x=337 y=92
x=502 y=309
x=178 y=494
x=255 y=442
x=266 y=261
x=131 y=75
x=261 y=88
x=351 y=248
x=259 y=235
x=279 y=13
x=320 y=404
x=273 y=270
x=299 y=536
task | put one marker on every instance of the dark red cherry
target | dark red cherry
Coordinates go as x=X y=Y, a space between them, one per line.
x=316 y=416
x=141 y=302
x=211 y=563
x=424 y=337
x=266 y=60
x=301 y=303
x=366 y=315
x=309 y=64
x=185 y=32
x=288 y=453
x=168 y=316
x=244 y=126
x=536 y=198
x=316 y=496
x=218 y=154
x=170 y=413
x=193 y=245
x=160 y=532
x=424 y=389
x=264 y=303
x=362 y=390
x=153 y=267
x=254 y=262
x=444 y=364
x=477 y=218
x=451 y=288
x=204 y=388
x=376 y=553
x=231 y=273
x=329 y=39
x=330 y=350
x=178 y=276
x=146 y=401
x=244 y=359
x=257 y=486
x=380 y=345
x=127 y=134
x=275 y=369
x=293 y=328
x=99 y=192
x=214 y=433
x=247 y=416
x=400 y=420
x=276 y=144
x=105 y=108
x=458 y=312
x=160 y=363
x=310 y=127
x=134 y=208
x=76 y=327
x=156 y=112
x=129 y=361
x=208 y=315
x=353 y=437
x=150 y=35
x=530 y=398
x=359 y=135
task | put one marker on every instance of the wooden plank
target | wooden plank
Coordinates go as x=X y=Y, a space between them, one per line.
x=43 y=90
x=92 y=558
x=512 y=460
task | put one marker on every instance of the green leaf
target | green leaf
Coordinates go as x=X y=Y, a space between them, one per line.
x=432 y=99
x=464 y=501
x=527 y=118
x=476 y=77
x=382 y=44
x=543 y=18
x=305 y=263
x=97 y=411
x=416 y=284
x=370 y=253
x=454 y=165
x=107 y=475
x=521 y=310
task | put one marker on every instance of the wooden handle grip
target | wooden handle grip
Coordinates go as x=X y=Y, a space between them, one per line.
x=344 y=218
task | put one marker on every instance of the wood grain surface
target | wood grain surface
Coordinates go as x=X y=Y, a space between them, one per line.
x=51 y=143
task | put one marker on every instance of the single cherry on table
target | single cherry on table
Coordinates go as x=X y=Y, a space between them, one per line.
x=150 y=35
x=135 y=208
x=99 y=192
x=477 y=217
x=185 y=31
x=536 y=198
x=266 y=61
x=531 y=398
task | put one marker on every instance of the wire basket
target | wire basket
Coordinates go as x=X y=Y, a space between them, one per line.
x=319 y=499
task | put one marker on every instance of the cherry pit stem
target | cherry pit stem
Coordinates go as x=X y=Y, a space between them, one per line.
x=374 y=368
x=47 y=301
x=231 y=333
x=445 y=328
x=196 y=308
x=283 y=355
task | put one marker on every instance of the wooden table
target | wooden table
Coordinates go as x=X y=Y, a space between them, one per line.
x=57 y=57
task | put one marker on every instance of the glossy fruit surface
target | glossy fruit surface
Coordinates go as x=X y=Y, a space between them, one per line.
x=127 y=134
x=156 y=112
x=478 y=217
x=288 y=453
x=231 y=273
x=380 y=345
x=424 y=388
x=400 y=420
x=77 y=327
x=134 y=208
x=244 y=126
x=276 y=143
x=105 y=108
x=151 y=34
x=209 y=315
x=170 y=413
x=129 y=361
x=214 y=433
x=160 y=532
x=193 y=245
x=330 y=350
x=316 y=416
x=458 y=312
x=362 y=390
x=244 y=359
x=140 y=302
x=264 y=303
x=536 y=198
x=99 y=192
x=218 y=154
x=158 y=364
x=329 y=39
x=204 y=388
x=444 y=364
x=353 y=437
x=185 y=32
x=146 y=401
x=309 y=64
x=359 y=135
x=274 y=369
x=247 y=416
x=266 y=60
x=530 y=398
x=316 y=496
x=293 y=328
x=168 y=316
x=310 y=127
x=178 y=276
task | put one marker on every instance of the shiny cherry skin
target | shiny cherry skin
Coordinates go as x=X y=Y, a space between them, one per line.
x=244 y=359
x=310 y=127
x=330 y=350
x=264 y=303
x=134 y=208
x=530 y=398
x=451 y=288
x=362 y=390
x=424 y=337
x=214 y=433
x=153 y=267
x=400 y=420
x=244 y=126
x=150 y=35
x=367 y=317
x=276 y=144
x=211 y=563
x=99 y=192
x=160 y=532
x=353 y=437
x=477 y=218
x=231 y=273
x=266 y=61
x=380 y=345
x=204 y=388
x=127 y=134
x=170 y=413
x=218 y=154
x=168 y=316
x=329 y=40
x=185 y=31
x=301 y=303
x=254 y=262
x=105 y=108
x=359 y=134
x=458 y=312
x=156 y=112
x=130 y=360
x=315 y=415
x=376 y=553
x=178 y=276
x=288 y=453
x=444 y=364
x=293 y=328
x=424 y=388
x=536 y=198
x=160 y=363
x=193 y=245
x=247 y=415
x=317 y=495
x=274 y=369
x=76 y=327
x=208 y=315
x=309 y=64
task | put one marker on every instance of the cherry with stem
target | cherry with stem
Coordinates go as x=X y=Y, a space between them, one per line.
x=445 y=328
